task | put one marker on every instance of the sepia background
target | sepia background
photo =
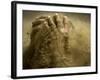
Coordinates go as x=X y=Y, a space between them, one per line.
x=81 y=21
x=78 y=20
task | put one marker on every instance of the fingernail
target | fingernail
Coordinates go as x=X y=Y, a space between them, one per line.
x=56 y=13
x=48 y=16
x=66 y=18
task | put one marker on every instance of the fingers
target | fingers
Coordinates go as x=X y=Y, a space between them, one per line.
x=37 y=22
x=46 y=25
x=55 y=24
x=45 y=29
x=59 y=23
x=51 y=23
x=65 y=21
x=47 y=19
x=40 y=31
x=67 y=24
x=42 y=17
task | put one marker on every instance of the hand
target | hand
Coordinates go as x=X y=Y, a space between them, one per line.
x=48 y=38
x=59 y=39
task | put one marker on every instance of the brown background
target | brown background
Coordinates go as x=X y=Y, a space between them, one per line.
x=78 y=19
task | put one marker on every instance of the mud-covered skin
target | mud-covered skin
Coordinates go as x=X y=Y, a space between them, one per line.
x=49 y=46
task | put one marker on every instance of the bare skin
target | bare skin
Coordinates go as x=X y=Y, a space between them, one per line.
x=49 y=43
